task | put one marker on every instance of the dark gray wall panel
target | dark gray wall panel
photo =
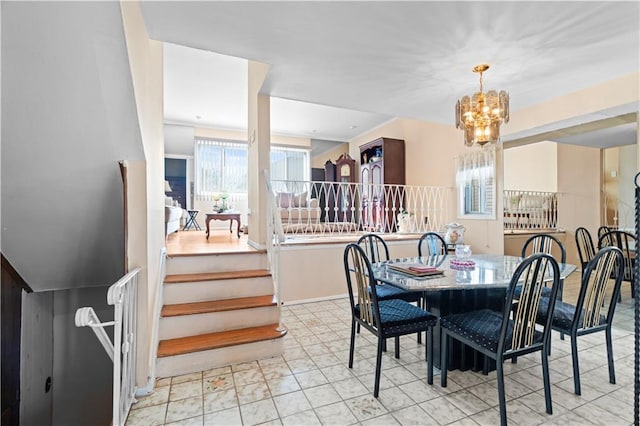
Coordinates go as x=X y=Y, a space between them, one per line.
x=68 y=117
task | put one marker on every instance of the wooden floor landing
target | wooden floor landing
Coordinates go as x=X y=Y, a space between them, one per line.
x=195 y=242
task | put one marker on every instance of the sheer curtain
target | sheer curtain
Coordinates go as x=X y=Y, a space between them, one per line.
x=220 y=166
x=475 y=179
x=289 y=164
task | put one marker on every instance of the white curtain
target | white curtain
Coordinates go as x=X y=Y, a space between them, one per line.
x=290 y=164
x=220 y=166
x=475 y=179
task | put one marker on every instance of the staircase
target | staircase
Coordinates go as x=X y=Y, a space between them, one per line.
x=218 y=309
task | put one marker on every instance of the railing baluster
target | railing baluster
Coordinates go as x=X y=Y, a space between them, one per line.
x=334 y=208
x=123 y=297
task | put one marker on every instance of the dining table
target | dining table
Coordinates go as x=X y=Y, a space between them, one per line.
x=477 y=282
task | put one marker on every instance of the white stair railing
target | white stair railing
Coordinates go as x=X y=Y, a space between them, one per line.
x=123 y=297
x=275 y=236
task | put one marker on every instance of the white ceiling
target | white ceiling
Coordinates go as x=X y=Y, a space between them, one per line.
x=371 y=61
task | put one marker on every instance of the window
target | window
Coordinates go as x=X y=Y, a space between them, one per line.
x=475 y=178
x=220 y=166
x=289 y=164
x=289 y=167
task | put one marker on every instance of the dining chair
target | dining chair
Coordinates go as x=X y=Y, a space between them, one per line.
x=545 y=243
x=384 y=318
x=626 y=242
x=586 y=249
x=588 y=315
x=376 y=250
x=498 y=336
x=431 y=244
x=603 y=230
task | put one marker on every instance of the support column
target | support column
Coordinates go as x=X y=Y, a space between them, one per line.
x=259 y=138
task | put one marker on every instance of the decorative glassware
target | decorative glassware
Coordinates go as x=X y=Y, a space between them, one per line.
x=463 y=251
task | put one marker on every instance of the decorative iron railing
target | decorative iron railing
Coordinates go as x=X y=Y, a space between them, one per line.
x=314 y=208
x=123 y=296
x=528 y=210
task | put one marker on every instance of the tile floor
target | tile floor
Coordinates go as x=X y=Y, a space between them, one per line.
x=310 y=383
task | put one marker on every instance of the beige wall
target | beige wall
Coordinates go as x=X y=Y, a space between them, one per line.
x=579 y=188
x=620 y=91
x=333 y=155
x=626 y=188
x=258 y=153
x=302 y=280
x=430 y=151
x=145 y=61
x=531 y=167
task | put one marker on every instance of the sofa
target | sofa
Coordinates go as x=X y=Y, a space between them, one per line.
x=172 y=215
x=298 y=212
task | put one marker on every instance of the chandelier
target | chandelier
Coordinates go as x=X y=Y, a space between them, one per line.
x=481 y=115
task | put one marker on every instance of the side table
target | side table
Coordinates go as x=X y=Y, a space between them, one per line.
x=223 y=216
x=191 y=220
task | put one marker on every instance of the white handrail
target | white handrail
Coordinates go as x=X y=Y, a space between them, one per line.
x=123 y=296
x=275 y=235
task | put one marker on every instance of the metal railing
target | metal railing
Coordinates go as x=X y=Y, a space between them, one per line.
x=528 y=210
x=123 y=297
x=319 y=209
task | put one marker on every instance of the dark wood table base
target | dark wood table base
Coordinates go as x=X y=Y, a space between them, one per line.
x=223 y=216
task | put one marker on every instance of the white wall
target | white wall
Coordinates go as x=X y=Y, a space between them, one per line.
x=178 y=140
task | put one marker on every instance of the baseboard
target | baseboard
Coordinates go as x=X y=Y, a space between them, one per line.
x=315 y=299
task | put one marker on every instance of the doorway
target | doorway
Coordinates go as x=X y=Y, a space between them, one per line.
x=175 y=172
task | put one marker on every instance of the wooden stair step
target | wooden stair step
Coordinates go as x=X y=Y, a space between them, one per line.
x=218 y=305
x=203 y=342
x=213 y=276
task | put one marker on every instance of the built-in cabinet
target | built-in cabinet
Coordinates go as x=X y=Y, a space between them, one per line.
x=382 y=169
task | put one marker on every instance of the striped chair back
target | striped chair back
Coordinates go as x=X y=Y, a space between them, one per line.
x=597 y=287
x=533 y=274
x=431 y=244
x=586 y=249
x=545 y=243
x=360 y=278
x=375 y=247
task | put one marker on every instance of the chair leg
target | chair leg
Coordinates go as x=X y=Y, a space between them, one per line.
x=576 y=368
x=429 y=354
x=376 y=388
x=397 y=342
x=547 y=384
x=501 y=397
x=612 y=372
x=419 y=337
x=358 y=328
x=443 y=358
x=384 y=345
x=353 y=341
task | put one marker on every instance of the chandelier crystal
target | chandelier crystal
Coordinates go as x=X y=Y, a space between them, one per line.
x=481 y=115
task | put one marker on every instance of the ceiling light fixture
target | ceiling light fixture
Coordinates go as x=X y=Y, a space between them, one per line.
x=481 y=115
